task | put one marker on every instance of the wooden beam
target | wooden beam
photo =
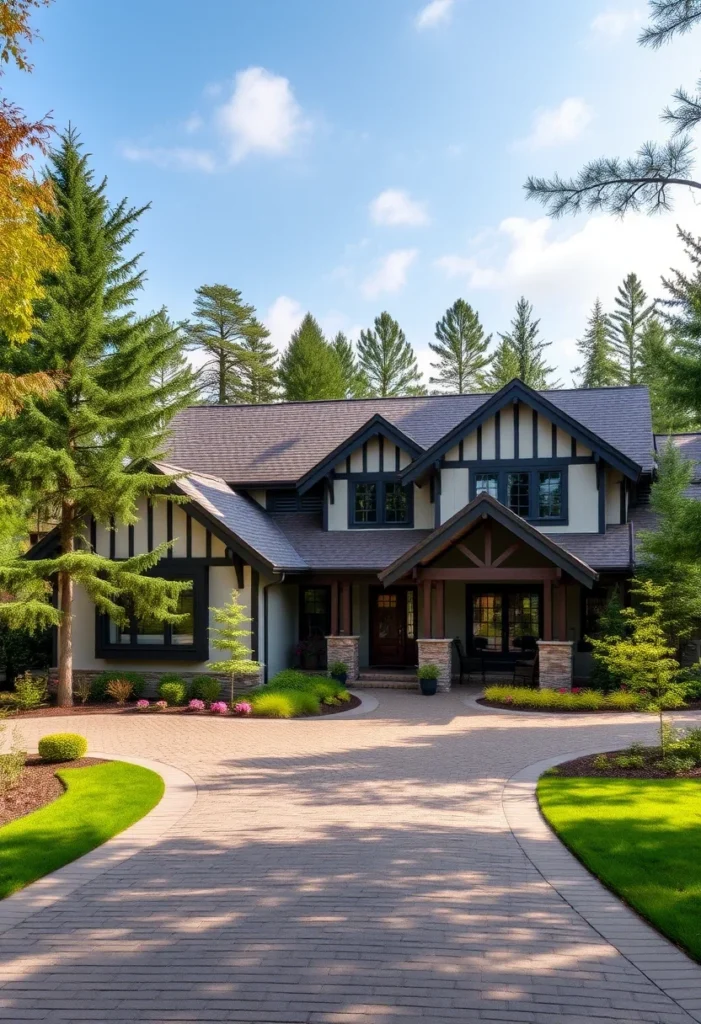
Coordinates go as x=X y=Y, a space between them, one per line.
x=470 y=555
x=346 y=608
x=439 y=628
x=500 y=559
x=561 y=611
x=488 y=542
x=427 y=607
x=547 y=610
x=490 y=575
x=334 y=608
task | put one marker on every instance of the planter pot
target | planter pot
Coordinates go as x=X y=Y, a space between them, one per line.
x=428 y=687
x=341 y=677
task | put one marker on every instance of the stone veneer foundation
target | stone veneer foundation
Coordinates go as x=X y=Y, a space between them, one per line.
x=440 y=653
x=345 y=649
x=555 y=662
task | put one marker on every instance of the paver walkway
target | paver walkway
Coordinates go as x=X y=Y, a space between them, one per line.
x=338 y=871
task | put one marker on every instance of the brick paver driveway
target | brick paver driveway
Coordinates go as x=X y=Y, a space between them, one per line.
x=347 y=870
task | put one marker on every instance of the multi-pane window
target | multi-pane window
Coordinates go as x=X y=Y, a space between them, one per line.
x=487 y=483
x=365 y=510
x=396 y=504
x=550 y=494
x=150 y=631
x=518 y=493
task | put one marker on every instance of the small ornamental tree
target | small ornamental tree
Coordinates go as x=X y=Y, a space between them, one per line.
x=228 y=637
x=642 y=659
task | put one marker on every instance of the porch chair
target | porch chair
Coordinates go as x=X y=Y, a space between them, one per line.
x=526 y=667
x=474 y=656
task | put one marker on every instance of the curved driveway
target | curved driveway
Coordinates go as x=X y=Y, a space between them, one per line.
x=344 y=871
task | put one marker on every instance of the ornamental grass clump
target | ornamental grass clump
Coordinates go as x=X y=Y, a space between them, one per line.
x=563 y=700
x=12 y=763
x=274 y=705
x=120 y=690
x=62 y=746
x=30 y=691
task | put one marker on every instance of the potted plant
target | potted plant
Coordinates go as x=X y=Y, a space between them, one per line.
x=428 y=679
x=338 y=670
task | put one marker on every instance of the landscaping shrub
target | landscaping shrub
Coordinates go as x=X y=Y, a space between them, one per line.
x=564 y=700
x=274 y=705
x=623 y=700
x=11 y=764
x=82 y=688
x=629 y=761
x=206 y=688
x=196 y=705
x=219 y=707
x=676 y=765
x=62 y=746
x=601 y=762
x=172 y=690
x=305 y=703
x=120 y=690
x=30 y=692
x=292 y=679
x=99 y=691
x=242 y=708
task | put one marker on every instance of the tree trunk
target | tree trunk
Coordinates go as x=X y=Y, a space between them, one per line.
x=64 y=693
x=222 y=376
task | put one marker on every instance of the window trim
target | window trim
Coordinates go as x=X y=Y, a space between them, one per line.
x=502 y=472
x=380 y=481
x=198 y=650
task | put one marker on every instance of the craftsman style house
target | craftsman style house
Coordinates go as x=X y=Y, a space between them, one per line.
x=392 y=526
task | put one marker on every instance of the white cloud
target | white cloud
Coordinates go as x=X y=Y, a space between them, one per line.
x=282 y=320
x=613 y=23
x=394 y=206
x=261 y=115
x=193 y=124
x=179 y=158
x=558 y=125
x=390 y=274
x=434 y=13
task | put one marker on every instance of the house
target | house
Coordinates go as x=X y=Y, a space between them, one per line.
x=374 y=531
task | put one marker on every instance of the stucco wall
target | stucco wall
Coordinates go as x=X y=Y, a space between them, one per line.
x=454 y=491
x=283 y=627
x=583 y=501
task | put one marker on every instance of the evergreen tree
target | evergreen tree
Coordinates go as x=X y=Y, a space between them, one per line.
x=255 y=377
x=173 y=378
x=682 y=315
x=669 y=416
x=387 y=360
x=309 y=367
x=225 y=329
x=504 y=366
x=599 y=368
x=521 y=350
x=355 y=380
x=228 y=637
x=461 y=349
x=82 y=450
x=627 y=324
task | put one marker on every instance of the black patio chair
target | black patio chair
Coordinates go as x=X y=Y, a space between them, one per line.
x=473 y=657
x=525 y=667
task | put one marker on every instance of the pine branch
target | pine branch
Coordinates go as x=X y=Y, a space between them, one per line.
x=688 y=112
x=668 y=19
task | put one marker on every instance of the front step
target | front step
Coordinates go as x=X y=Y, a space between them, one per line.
x=387 y=680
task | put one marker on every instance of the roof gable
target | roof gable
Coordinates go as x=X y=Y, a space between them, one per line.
x=517 y=391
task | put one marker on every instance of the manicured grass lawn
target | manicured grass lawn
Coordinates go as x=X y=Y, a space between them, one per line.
x=642 y=838
x=100 y=801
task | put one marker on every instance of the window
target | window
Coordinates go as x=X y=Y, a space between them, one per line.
x=315 y=613
x=550 y=495
x=396 y=504
x=487 y=483
x=380 y=503
x=365 y=503
x=518 y=491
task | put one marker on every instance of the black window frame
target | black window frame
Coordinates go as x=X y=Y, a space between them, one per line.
x=381 y=483
x=503 y=472
x=198 y=650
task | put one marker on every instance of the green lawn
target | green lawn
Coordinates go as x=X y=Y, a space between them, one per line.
x=99 y=802
x=642 y=838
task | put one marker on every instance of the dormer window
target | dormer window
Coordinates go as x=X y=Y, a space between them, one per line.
x=396 y=505
x=380 y=503
x=365 y=504
x=536 y=494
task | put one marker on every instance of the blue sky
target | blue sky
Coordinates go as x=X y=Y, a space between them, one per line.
x=350 y=156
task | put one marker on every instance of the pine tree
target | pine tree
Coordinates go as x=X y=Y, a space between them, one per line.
x=355 y=380
x=627 y=324
x=255 y=377
x=681 y=312
x=309 y=367
x=655 y=369
x=174 y=378
x=82 y=450
x=224 y=328
x=502 y=369
x=227 y=637
x=599 y=368
x=388 y=361
x=461 y=349
x=521 y=350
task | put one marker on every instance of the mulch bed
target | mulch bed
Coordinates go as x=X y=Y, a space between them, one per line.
x=693 y=706
x=36 y=787
x=53 y=711
x=583 y=767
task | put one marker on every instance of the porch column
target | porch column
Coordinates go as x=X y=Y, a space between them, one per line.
x=547 y=610
x=346 y=608
x=427 y=609
x=561 y=611
x=439 y=627
x=440 y=653
x=555 y=664
x=334 y=608
x=345 y=649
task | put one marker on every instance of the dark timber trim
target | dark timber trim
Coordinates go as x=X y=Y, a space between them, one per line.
x=188 y=535
x=149 y=524
x=131 y=540
x=479 y=443
x=535 y=433
x=517 y=415
x=93 y=534
x=554 y=441
x=113 y=539
x=601 y=485
x=497 y=435
x=169 y=529
x=255 y=613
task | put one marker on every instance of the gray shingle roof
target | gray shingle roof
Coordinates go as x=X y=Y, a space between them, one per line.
x=361 y=550
x=256 y=444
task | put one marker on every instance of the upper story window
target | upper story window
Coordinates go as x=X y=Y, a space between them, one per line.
x=380 y=503
x=538 y=494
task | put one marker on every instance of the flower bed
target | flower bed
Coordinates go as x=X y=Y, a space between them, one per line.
x=579 y=699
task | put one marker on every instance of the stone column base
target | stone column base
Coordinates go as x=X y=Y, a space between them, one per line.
x=344 y=648
x=555 y=662
x=440 y=653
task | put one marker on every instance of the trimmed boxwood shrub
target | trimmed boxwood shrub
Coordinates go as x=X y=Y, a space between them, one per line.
x=98 y=689
x=62 y=746
x=172 y=690
x=205 y=688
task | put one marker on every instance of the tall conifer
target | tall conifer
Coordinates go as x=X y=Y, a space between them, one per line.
x=83 y=449
x=355 y=380
x=521 y=350
x=461 y=348
x=309 y=367
x=627 y=322
x=388 y=361
x=599 y=369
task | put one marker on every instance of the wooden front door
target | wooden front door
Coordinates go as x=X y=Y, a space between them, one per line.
x=393 y=626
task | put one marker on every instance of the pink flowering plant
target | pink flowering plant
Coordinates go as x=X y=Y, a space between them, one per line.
x=196 y=705
x=218 y=707
x=161 y=705
x=143 y=705
x=243 y=708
